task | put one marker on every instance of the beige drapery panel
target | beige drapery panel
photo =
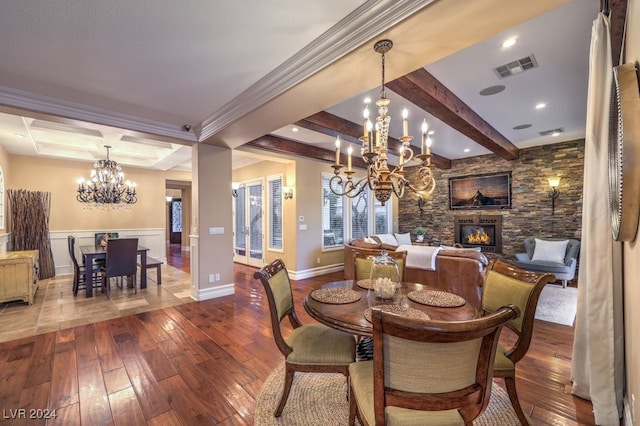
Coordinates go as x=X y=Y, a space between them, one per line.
x=598 y=351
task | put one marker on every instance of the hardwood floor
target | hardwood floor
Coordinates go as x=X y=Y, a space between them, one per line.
x=205 y=362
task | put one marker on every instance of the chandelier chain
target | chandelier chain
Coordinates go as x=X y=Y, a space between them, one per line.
x=379 y=178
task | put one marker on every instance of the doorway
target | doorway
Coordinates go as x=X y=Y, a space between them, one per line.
x=175 y=220
x=248 y=224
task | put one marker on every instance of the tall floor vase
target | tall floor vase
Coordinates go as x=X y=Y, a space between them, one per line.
x=30 y=226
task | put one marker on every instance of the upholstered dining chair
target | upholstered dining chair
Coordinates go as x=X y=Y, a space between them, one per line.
x=121 y=261
x=426 y=372
x=362 y=260
x=312 y=348
x=507 y=284
x=79 y=268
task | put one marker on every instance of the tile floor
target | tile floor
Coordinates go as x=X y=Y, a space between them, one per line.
x=55 y=307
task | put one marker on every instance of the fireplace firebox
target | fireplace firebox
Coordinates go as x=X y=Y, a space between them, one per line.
x=484 y=231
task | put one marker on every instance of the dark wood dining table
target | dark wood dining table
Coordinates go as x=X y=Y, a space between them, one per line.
x=349 y=317
x=91 y=253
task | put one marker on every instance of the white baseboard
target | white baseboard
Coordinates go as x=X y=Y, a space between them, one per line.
x=315 y=272
x=214 y=292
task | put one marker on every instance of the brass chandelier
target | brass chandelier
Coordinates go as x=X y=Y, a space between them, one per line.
x=106 y=186
x=380 y=178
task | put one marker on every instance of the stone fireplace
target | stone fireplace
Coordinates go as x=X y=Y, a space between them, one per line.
x=484 y=231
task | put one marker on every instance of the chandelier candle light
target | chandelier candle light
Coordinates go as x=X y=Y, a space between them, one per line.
x=106 y=186
x=380 y=179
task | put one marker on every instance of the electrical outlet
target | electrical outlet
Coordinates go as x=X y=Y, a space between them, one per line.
x=212 y=278
x=217 y=277
x=318 y=260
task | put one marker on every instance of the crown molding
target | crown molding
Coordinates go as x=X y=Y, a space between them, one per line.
x=368 y=20
x=28 y=101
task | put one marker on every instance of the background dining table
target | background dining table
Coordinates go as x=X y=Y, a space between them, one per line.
x=350 y=317
x=91 y=253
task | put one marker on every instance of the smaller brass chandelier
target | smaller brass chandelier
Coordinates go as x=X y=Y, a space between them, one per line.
x=380 y=178
x=106 y=186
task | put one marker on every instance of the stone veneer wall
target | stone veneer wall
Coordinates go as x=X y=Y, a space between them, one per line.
x=530 y=214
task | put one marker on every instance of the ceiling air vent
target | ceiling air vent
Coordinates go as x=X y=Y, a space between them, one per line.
x=552 y=132
x=516 y=67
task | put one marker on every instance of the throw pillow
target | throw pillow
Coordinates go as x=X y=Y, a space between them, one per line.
x=403 y=238
x=387 y=239
x=550 y=251
x=370 y=240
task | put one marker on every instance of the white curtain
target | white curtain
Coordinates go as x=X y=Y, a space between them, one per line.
x=598 y=351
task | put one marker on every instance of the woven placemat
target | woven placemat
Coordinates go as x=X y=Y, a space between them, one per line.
x=441 y=299
x=401 y=310
x=368 y=284
x=335 y=296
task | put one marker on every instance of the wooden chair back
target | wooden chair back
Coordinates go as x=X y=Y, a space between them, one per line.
x=507 y=284
x=434 y=365
x=122 y=257
x=362 y=260
x=71 y=243
x=275 y=280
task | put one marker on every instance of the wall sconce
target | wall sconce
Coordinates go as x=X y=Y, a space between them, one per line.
x=554 y=182
x=421 y=204
x=234 y=189
x=287 y=191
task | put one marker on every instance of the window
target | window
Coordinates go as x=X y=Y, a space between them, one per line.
x=364 y=220
x=274 y=184
x=332 y=216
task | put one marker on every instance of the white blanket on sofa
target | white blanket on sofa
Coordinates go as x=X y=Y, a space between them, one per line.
x=420 y=257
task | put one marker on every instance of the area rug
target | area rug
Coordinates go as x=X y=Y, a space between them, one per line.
x=318 y=399
x=557 y=304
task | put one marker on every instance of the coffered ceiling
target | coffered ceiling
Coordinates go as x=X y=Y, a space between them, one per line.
x=152 y=78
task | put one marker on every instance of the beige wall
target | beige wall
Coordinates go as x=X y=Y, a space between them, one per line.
x=631 y=268
x=59 y=178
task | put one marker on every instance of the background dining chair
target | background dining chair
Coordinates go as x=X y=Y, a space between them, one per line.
x=98 y=236
x=313 y=348
x=121 y=261
x=426 y=372
x=508 y=284
x=79 y=268
x=362 y=260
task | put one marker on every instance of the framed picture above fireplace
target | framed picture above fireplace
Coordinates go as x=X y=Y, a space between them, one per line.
x=475 y=192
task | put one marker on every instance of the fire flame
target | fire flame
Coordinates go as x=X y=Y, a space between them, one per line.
x=480 y=237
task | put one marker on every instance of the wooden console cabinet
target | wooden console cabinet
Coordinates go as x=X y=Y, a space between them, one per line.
x=18 y=275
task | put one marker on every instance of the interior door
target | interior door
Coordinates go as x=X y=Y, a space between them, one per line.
x=175 y=221
x=248 y=224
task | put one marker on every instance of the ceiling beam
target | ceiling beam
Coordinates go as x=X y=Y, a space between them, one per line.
x=424 y=90
x=332 y=125
x=288 y=147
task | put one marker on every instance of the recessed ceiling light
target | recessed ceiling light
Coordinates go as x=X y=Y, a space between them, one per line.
x=509 y=42
x=467 y=149
x=541 y=105
x=367 y=100
x=294 y=129
x=430 y=132
x=554 y=134
x=492 y=90
x=522 y=126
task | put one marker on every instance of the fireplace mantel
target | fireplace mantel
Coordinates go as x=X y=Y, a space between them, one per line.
x=487 y=225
